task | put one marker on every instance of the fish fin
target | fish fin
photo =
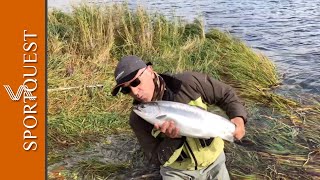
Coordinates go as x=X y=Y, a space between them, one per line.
x=161 y=117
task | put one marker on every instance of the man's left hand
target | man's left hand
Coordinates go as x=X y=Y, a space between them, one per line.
x=240 y=129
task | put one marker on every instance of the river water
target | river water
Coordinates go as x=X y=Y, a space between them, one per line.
x=287 y=31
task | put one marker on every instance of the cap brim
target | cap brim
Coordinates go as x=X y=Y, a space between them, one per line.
x=116 y=89
x=123 y=80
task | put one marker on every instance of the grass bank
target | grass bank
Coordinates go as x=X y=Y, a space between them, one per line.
x=85 y=45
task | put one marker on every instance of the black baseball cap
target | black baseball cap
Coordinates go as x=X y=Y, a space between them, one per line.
x=126 y=70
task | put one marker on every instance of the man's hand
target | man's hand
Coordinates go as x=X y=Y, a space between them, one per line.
x=169 y=129
x=240 y=130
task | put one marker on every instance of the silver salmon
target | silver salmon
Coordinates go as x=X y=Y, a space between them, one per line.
x=191 y=120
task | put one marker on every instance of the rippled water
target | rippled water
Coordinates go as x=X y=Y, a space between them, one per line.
x=288 y=31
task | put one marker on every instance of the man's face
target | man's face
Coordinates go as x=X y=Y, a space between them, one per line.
x=141 y=87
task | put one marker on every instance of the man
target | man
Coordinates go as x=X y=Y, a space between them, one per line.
x=178 y=157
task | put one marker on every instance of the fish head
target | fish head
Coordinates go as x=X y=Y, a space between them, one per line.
x=148 y=110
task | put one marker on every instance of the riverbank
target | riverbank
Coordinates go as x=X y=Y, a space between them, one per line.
x=83 y=49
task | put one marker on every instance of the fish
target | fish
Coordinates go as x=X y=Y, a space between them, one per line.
x=192 y=121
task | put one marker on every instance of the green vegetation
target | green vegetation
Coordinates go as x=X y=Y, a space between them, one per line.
x=84 y=47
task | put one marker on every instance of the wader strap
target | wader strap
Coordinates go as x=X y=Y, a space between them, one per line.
x=182 y=156
x=205 y=142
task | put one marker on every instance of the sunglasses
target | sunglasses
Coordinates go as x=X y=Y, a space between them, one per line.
x=134 y=83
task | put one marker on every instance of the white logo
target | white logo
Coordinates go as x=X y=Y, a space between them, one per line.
x=17 y=96
x=119 y=75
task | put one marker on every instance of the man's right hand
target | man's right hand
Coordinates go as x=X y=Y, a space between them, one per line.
x=169 y=129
